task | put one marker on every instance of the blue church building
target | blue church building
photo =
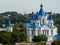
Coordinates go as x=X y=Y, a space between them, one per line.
x=43 y=23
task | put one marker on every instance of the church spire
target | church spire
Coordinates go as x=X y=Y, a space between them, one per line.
x=50 y=17
x=41 y=12
x=9 y=22
x=32 y=17
x=36 y=16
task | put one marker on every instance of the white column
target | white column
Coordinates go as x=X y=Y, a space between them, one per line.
x=45 y=32
x=36 y=32
x=41 y=32
x=49 y=33
x=30 y=32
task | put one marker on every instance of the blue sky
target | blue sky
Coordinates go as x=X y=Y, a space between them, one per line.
x=26 y=6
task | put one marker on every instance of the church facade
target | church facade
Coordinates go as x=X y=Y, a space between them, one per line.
x=43 y=23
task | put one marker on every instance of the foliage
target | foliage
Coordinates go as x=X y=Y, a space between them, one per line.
x=40 y=38
x=12 y=37
x=19 y=33
x=56 y=42
x=57 y=21
x=15 y=17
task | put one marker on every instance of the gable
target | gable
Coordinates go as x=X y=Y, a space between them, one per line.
x=47 y=27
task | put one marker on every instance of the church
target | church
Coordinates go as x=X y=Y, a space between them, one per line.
x=9 y=27
x=43 y=23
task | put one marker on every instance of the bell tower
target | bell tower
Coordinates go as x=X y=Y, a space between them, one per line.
x=9 y=25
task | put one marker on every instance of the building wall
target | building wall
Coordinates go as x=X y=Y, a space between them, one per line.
x=7 y=29
x=47 y=31
x=2 y=29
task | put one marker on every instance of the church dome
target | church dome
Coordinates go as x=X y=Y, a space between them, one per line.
x=31 y=25
x=32 y=17
x=37 y=16
x=50 y=17
x=41 y=11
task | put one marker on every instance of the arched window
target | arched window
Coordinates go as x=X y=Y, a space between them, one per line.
x=43 y=20
x=47 y=32
x=33 y=32
x=51 y=32
x=28 y=32
x=38 y=24
x=51 y=24
x=40 y=21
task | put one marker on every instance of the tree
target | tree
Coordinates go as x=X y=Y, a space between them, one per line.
x=56 y=42
x=40 y=38
x=4 y=37
x=43 y=37
x=36 y=39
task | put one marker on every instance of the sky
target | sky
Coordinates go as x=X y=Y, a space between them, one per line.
x=28 y=6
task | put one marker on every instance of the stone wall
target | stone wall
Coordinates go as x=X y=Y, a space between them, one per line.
x=25 y=43
x=0 y=44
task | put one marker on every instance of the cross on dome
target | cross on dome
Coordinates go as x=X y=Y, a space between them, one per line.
x=32 y=17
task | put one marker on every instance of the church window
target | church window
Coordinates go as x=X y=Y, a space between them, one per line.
x=28 y=32
x=32 y=32
x=38 y=24
x=42 y=31
x=40 y=21
x=38 y=32
x=51 y=32
x=47 y=32
x=51 y=24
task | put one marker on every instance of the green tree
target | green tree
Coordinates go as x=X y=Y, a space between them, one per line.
x=4 y=37
x=56 y=42
x=40 y=38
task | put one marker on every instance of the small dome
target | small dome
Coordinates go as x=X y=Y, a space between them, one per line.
x=41 y=5
x=50 y=17
x=36 y=16
x=31 y=25
x=32 y=17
